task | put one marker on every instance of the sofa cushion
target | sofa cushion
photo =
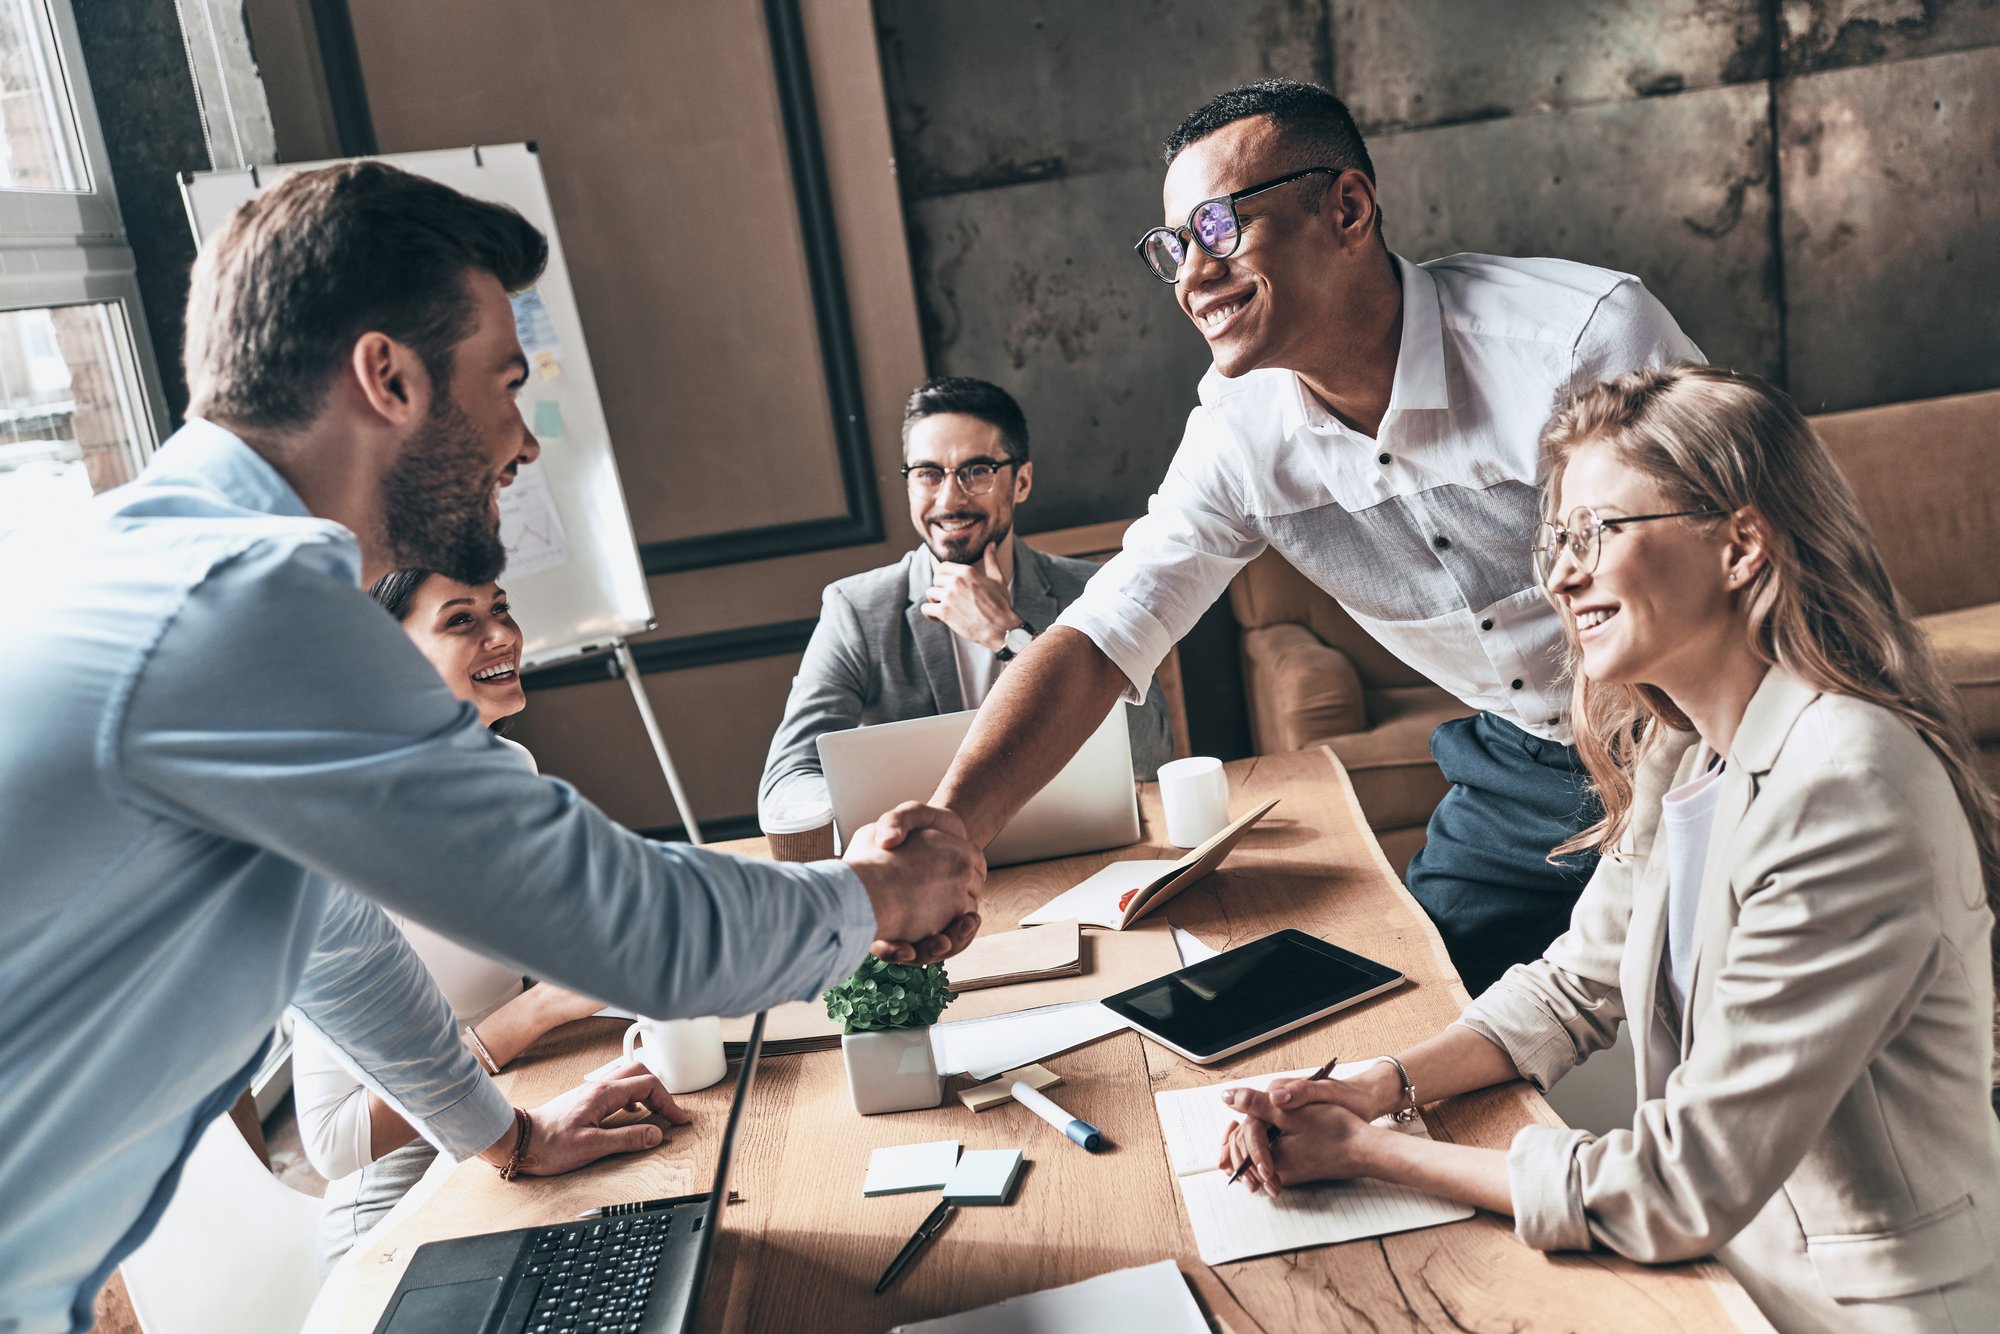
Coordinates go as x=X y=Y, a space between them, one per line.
x=1968 y=643
x=1914 y=467
x=1395 y=779
x=1299 y=689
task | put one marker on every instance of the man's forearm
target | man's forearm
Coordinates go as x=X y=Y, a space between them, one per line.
x=1040 y=713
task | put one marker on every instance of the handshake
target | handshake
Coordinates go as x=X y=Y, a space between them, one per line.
x=923 y=876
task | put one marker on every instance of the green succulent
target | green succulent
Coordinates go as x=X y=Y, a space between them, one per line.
x=887 y=996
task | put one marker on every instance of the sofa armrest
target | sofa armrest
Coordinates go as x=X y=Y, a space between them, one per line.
x=1299 y=689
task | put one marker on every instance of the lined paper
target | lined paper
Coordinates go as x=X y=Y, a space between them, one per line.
x=1235 y=1223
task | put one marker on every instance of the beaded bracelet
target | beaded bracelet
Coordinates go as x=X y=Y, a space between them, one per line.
x=1408 y=1111
x=523 y=1126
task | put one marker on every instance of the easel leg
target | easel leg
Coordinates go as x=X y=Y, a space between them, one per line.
x=630 y=668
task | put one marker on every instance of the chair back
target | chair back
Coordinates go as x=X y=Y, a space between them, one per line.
x=234 y=1253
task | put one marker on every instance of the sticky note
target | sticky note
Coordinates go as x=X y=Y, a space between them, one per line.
x=984 y=1176
x=548 y=419
x=982 y=1096
x=902 y=1168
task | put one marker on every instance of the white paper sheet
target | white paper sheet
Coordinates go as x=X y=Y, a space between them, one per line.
x=530 y=529
x=984 y=1048
x=1096 y=900
x=1234 y=1223
x=1151 y=1297
x=1192 y=947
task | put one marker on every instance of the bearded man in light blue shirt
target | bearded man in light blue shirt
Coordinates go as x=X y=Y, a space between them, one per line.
x=210 y=731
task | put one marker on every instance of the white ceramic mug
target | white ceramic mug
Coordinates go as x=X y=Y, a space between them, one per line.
x=1195 y=793
x=683 y=1054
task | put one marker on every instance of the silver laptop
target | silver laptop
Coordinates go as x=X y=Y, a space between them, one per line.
x=1092 y=804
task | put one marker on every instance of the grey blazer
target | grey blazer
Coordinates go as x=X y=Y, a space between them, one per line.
x=1825 y=1127
x=875 y=658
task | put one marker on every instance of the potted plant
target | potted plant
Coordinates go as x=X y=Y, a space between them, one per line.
x=885 y=1012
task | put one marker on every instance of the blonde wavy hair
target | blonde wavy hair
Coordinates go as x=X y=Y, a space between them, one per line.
x=1822 y=606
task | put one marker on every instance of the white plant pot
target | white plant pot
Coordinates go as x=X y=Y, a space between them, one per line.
x=891 y=1071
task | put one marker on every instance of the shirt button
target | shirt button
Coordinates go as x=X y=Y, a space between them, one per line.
x=1382 y=459
x=1486 y=624
x=1441 y=542
x=1517 y=683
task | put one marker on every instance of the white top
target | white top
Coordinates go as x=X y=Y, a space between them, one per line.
x=332 y=1103
x=1687 y=815
x=1422 y=532
x=978 y=669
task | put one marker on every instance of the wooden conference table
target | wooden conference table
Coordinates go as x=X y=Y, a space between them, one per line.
x=803 y=1248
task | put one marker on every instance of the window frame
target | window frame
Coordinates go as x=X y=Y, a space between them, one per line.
x=68 y=248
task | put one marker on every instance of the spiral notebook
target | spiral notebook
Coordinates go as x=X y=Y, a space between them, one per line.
x=1233 y=1223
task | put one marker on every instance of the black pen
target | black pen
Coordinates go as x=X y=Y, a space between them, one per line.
x=912 y=1248
x=647 y=1206
x=1271 y=1133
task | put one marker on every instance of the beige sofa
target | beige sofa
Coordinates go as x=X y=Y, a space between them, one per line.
x=1928 y=474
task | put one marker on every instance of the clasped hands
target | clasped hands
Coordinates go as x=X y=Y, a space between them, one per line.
x=923 y=876
x=1327 y=1124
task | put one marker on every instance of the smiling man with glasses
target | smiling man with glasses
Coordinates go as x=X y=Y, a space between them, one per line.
x=932 y=633
x=1376 y=421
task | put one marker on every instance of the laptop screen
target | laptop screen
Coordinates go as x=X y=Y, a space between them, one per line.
x=719 y=1195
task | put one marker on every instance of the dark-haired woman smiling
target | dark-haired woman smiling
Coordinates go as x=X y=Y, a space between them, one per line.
x=1793 y=911
x=369 y=1154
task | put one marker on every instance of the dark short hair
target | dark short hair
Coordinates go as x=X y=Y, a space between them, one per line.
x=1305 y=115
x=299 y=272
x=975 y=398
x=395 y=589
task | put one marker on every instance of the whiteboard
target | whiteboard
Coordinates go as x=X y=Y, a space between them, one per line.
x=573 y=570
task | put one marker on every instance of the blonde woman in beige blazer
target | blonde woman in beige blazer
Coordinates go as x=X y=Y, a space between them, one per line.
x=1795 y=912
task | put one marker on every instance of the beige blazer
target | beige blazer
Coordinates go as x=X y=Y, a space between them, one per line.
x=1826 y=1129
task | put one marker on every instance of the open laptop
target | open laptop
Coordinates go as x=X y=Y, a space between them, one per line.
x=637 y=1273
x=1092 y=804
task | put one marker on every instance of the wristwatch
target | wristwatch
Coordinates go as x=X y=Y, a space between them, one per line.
x=1016 y=641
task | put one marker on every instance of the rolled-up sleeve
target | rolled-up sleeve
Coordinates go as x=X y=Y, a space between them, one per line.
x=1176 y=560
x=376 y=1009
x=282 y=709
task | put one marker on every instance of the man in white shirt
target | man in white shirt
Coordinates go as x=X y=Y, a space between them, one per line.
x=931 y=633
x=1377 y=422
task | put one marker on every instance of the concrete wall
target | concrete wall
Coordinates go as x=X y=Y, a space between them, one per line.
x=1812 y=186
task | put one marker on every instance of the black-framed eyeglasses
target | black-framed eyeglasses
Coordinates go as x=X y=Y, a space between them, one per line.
x=975 y=476
x=1583 y=536
x=1212 y=224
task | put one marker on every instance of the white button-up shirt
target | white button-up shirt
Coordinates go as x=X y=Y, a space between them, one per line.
x=1422 y=532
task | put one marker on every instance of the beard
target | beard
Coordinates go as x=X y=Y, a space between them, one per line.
x=438 y=500
x=962 y=551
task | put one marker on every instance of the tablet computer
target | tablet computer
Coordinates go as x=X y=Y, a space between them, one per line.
x=1211 y=1010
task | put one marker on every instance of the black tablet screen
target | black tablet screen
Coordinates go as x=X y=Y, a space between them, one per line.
x=1248 y=991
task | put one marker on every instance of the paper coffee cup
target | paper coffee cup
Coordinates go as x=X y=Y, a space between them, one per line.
x=802 y=832
x=1195 y=793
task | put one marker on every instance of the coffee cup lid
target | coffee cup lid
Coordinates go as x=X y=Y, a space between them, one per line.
x=797 y=818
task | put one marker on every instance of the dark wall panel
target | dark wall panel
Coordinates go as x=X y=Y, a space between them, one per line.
x=1892 y=229
x=1675 y=190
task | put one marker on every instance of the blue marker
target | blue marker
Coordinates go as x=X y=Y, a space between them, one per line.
x=1084 y=1133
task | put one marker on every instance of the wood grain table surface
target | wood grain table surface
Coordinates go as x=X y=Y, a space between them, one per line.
x=804 y=1247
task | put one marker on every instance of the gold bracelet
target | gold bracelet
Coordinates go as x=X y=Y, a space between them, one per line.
x=479 y=1052
x=1408 y=1111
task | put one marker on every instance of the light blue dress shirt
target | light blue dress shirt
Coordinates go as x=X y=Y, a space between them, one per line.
x=206 y=728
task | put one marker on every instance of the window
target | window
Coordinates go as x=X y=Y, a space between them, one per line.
x=80 y=403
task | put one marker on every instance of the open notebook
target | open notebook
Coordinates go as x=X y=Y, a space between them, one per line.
x=1233 y=1223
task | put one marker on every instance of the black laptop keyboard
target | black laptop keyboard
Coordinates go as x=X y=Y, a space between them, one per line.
x=597 y=1276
